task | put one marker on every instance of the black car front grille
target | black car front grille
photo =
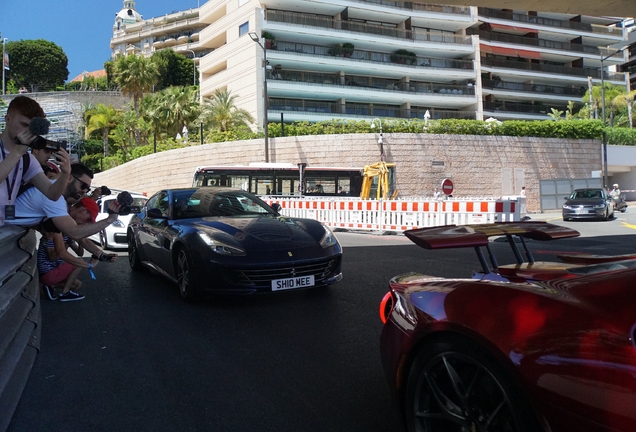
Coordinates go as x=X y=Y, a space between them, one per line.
x=264 y=276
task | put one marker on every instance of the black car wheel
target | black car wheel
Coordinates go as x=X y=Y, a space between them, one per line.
x=133 y=253
x=103 y=241
x=185 y=277
x=454 y=385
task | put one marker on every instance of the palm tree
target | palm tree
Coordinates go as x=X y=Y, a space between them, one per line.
x=174 y=108
x=625 y=100
x=135 y=75
x=101 y=118
x=220 y=112
x=610 y=93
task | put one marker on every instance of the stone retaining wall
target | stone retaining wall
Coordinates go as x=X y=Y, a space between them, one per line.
x=473 y=163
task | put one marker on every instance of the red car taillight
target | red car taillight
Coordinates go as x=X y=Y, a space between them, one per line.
x=386 y=306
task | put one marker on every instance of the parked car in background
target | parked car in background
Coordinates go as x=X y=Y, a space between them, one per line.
x=114 y=235
x=591 y=203
x=523 y=347
x=219 y=240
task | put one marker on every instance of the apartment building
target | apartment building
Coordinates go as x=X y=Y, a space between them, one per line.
x=362 y=59
x=533 y=61
x=177 y=30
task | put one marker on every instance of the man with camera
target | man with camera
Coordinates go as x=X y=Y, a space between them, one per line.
x=16 y=165
x=32 y=207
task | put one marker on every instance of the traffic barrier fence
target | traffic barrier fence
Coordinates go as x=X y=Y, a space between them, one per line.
x=398 y=215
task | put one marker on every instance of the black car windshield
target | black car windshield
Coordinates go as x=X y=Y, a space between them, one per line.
x=204 y=202
x=587 y=193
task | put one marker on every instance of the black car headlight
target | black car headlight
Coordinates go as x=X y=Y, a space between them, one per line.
x=567 y=207
x=599 y=206
x=328 y=239
x=220 y=247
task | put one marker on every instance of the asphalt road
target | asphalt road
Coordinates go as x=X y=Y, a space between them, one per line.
x=134 y=356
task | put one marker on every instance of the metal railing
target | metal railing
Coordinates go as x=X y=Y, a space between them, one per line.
x=514 y=107
x=308 y=20
x=333 y=109
x=373 y=56
x=420 y=7
x=541 y=67
x=542 y=43
x=367 y=82
x=549 y=22
x=533 y=88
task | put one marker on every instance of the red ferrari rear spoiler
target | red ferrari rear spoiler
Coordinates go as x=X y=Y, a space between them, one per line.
x=459 y=236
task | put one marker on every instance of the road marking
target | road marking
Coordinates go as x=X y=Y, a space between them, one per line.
x=632 y=226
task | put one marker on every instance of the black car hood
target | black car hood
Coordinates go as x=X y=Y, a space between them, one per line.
x=273 y=231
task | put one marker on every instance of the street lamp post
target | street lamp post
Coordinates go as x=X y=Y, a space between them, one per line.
x=256 y=39
x=605 y=170
x=4 y=72
x=380 y=139
x=194 y=68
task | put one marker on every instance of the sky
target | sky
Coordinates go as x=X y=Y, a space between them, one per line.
x=82 y=28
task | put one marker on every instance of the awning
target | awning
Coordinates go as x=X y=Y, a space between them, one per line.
x=513 y=28
x=509 y=52
x=529 y=54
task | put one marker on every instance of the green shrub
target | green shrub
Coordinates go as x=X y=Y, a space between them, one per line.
x=621 y=136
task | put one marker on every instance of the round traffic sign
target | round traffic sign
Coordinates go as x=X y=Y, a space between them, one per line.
x=447 y=186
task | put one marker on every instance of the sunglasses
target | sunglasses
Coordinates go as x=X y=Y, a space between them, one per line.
x=84 y=185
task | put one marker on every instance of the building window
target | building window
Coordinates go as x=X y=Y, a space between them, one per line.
x=244 y=28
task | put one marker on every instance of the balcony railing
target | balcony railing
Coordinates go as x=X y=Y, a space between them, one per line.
x=366 y=82
x=308 y=20
x=533 y=88
x=549 y=22
x=420 y=7
x=542 y=43
x=332 y=109
x=514 y=107
x=373 y=56
x=540 y=67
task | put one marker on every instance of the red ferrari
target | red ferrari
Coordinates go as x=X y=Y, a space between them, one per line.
x=530 y=346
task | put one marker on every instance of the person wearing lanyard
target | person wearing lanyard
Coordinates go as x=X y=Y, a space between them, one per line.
x=14 y=142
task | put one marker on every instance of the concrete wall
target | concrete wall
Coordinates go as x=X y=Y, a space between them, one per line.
x=475 y=164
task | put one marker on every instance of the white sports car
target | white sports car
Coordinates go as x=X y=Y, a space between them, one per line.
x=114 y=235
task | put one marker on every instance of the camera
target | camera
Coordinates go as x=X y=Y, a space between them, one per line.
x=40 y=143
x=40 y=126
x=125 y=201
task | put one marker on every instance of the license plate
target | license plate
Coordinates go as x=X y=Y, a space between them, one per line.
x=292 y=283
x=581 y=211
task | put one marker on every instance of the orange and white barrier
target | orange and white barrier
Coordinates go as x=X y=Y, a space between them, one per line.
x=398 y=216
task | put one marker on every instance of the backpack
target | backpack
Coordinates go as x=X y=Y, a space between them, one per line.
x=26 y=162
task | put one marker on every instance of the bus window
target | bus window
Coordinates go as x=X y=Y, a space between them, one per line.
x=321 y=185
x=344 y=186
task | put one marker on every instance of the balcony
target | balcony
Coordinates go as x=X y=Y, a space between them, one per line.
x=533 y=88
x=370 y=83
x=570 y=48
x=373 y=56
x=515 y=108
x=420 y=7
x=551 y=23
x=299 y=108
x=552 y=69
x=307 y=20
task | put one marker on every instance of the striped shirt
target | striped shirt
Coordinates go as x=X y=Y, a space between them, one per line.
x=45 y=264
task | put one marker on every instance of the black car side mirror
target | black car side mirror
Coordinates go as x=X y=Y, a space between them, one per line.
x=155 y=213
x=276 y=207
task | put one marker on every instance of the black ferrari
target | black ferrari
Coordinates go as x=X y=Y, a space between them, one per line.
x=213 y=240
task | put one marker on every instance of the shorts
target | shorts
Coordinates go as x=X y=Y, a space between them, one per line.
x=58 y=275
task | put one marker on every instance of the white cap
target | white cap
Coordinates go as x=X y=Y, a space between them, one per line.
x=615 y=185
